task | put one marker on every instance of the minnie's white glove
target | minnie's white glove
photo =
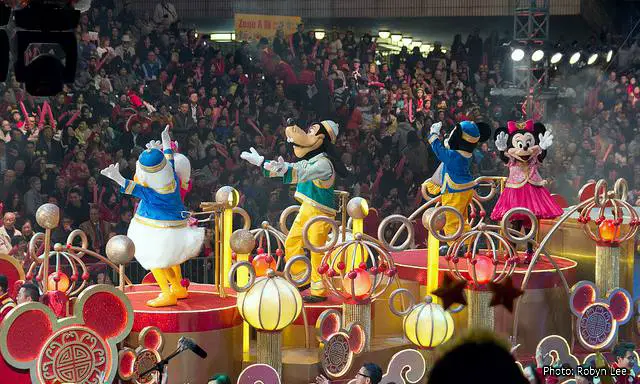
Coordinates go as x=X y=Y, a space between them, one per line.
x=501 y=141
x=546 y=139
x=252 y=157
x=436 y=128
x=113 y=172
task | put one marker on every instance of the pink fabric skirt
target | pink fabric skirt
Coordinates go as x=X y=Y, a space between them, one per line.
x=537 y=199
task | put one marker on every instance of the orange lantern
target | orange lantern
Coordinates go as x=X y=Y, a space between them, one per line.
x=361 y=282
x=58 y=281
x=484 y=269
x=608 y=230
x=262 y=263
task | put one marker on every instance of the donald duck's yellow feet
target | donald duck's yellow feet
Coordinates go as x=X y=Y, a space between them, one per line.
x=163 y=300
x=179 y=292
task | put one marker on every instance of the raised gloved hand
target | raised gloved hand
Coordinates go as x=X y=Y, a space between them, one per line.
x=546 y=139
x=252 y=157
x=113 y=172
x=436 y=128
x=501 y=141
x=166 y=138
x=276 y=166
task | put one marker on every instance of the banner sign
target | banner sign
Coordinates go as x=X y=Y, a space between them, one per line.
x=253 y=27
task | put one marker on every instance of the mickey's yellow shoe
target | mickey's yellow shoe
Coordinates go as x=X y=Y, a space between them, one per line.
x=163 y=300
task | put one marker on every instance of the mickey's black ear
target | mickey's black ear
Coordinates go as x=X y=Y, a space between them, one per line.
x=497 y=132
x=485 y=131
x=539 y=128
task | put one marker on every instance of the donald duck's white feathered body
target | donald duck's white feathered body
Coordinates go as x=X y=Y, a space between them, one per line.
x=160 y=229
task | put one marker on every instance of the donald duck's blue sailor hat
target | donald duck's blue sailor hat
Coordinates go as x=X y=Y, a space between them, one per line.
x=152 y=160
x=470 y=132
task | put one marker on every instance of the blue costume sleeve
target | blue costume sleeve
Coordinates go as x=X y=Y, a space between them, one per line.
x=134 y=189
x=168 y=154
x=443 y=154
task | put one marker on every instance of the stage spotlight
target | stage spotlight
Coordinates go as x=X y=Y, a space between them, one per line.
x=537 y=55
x=555 y=59
x=384 y=34
x=574 y=58
x=592 y=59
x=517 y=54
x=319 y=35
x=406 y=41
x=609 y=55
x=395 y=38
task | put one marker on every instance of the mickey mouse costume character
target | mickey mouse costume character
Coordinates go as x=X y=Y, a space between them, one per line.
x=314 y=176
x=523 y=147
x=456 y=184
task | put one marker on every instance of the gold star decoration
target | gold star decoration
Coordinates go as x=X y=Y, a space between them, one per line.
x=451 y=292
x=504 y=294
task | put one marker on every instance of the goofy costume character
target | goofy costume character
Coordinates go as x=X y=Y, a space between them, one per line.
x=160 y=229
x=453 y=178
x=314 y=176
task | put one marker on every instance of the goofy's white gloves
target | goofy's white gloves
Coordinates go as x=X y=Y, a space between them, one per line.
x=436 y=128
x=252 y=157
x=501 y=141
x=278 y=167
x=113 y=172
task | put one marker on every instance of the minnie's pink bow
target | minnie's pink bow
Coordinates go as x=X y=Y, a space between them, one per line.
x=512 y=126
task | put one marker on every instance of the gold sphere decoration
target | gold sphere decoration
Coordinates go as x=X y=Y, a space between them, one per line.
x=242 y=241
x=120 y=250
x=438 y=223
x=58 y=247
x=358 y=208
x=271 y=304
x=428 y=325
x=229 y=196
x=48 y=216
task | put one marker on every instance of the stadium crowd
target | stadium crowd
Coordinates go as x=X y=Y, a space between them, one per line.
x=137 y=74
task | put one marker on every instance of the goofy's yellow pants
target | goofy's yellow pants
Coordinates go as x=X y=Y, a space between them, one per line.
x=460 y=201
x=294 y=245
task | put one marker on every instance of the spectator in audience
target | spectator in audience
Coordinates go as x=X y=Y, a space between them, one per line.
x=33 y=199
x=96 y=230
x=7 y=232
x=369 y=373
x=6 y=302
x=624 y=356
x=28 y=293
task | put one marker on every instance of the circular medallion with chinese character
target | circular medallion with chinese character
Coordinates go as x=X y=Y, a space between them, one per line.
x=596 y=327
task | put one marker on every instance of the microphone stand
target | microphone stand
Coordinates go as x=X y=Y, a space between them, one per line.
x=162 y=363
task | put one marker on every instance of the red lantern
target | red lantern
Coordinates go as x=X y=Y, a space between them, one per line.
x=484 y=269
x=608 y=230
x=58 y=281
x=361 y=282
x=262 y=263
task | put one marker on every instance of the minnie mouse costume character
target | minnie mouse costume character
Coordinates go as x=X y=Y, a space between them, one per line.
x=523 y=147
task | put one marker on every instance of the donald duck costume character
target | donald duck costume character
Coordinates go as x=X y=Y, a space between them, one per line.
x=314 y=176
x=456 y=185
x=159 y=229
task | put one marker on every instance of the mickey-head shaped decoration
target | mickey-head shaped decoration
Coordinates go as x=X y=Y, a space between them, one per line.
x=259 y=374
x=523 y=141
x=407 y=366
x=598 y=319
x=143 y=358
x=339 y=345
x=554 y=350
x=80 y=349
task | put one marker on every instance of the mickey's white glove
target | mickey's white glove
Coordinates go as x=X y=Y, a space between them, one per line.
x=154 y=144
x=436 y=128
x=546 y=139
x=501 y=141
x=113 y=172
x=278 y=167
x=166 y=138
x=252 y=157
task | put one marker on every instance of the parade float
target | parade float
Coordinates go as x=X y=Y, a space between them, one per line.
x=392 y=297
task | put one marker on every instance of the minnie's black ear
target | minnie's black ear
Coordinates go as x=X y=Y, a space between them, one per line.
x=498 y=131
x=485 y=131
x=539 y=128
